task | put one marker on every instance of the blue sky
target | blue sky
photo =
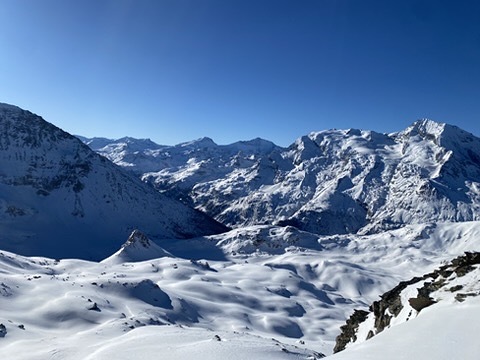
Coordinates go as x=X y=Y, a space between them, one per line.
x=177 y=70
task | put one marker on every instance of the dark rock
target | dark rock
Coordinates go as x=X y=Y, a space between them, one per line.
x=419 y=303
x=463 y=264
x=389 y=301
x=460 y=297
x=455 y=288
x=3 y=331
x=349 y=330
x=390 y=304
x=94 y=307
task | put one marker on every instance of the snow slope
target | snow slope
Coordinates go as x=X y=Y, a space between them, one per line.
x=241 y=290
x=60 y=199
x=435 y=317
x=444 y=332
x=329 y=182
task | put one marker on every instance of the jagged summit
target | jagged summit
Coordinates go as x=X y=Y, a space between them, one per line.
x=257 y=144
x=442 y=134
x=96 y=142
x=137 y=238
x=425 y=128
x=130 y=141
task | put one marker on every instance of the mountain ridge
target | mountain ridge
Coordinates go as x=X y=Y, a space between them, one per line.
x=52 y=183
x=372 y=181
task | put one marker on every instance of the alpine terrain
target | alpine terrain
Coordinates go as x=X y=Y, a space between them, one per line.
x=329 y=182
x=60 y=199
x=348 y=244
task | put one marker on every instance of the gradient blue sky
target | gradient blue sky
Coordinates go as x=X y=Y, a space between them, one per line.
x=177 y=70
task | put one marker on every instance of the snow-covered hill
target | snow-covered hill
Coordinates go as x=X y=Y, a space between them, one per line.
x=264 y=292
x=329 y=182
x=60 y=199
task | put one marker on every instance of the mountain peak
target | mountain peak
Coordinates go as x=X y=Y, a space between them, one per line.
x=138 y=247
x=51 y=181
x=202 y=142
x=137 y=238
x=445 y=135
x=258 y=143
x=425 y=128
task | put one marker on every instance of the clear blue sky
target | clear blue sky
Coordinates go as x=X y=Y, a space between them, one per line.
x=177 y=70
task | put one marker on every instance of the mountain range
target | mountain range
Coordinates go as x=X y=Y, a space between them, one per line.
x=328 y=182
x=351 y=241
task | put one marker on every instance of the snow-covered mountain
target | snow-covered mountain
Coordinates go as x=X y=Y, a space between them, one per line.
x=59 y=198
x=320 y=230
x=329 y=182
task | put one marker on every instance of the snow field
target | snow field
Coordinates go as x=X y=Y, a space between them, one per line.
x=253 y=292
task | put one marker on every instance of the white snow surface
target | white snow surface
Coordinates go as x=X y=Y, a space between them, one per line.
x=442 y=332
x=226 y=295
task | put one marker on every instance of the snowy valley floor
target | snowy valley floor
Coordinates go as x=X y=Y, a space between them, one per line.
x=258 y=292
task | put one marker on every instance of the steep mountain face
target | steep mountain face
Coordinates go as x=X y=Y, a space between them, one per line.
x=58 y=198
x=329 y=182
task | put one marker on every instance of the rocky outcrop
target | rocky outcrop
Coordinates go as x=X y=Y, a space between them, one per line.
x=349 y=330
x=137 y=237
x=390 y=304
x=3 y=331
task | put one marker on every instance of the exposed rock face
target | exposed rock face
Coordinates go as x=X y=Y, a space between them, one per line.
x=137 y=237
x=421 y=289
x=349 y=330
x=329 y=182
x=390 y=305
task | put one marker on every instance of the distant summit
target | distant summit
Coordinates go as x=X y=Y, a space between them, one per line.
x=204 y=142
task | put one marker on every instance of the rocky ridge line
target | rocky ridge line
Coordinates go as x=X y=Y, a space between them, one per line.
x=390 y=304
